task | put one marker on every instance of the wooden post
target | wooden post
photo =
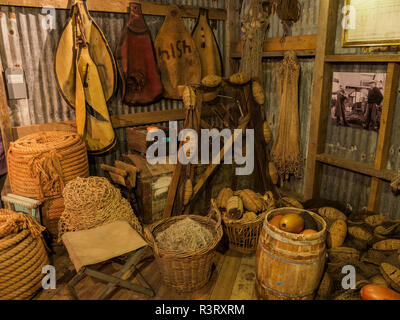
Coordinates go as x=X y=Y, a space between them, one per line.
x=5 y=125
x=231 y=32
x=385 y=130
x=320 y=101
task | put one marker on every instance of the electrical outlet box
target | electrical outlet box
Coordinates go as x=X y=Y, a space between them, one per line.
x=16 y=84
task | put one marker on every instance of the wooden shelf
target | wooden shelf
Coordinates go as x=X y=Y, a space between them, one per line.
x=278 y=54
x=360 y=58
x=119 y=6
x=118 y=121
x=303 y=45
x=356 y=166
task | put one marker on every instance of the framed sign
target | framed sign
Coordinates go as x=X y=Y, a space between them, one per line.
x=371 y=23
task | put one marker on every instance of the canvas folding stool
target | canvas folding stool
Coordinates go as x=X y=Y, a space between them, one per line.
x=100 y=244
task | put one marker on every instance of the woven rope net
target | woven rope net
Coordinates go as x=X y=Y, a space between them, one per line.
x=41 y=164
x=285 y=151
x=22 y=256
x=91 y=202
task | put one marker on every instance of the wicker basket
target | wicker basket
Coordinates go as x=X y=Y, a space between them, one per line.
x=243 y=235
x=186 y=271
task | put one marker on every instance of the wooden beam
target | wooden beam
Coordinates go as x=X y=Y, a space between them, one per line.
x=320 y=107
x=5 y=126
x=356 y=166
x=119 y=6
x=144 y=118
x=279 y=54
x=305 y=45
x=361 y=58
x=5 y=122
x=385 y=130
x=118 y=121
x=232 y=31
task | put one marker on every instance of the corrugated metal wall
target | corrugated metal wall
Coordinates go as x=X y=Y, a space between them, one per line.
x=25 y=43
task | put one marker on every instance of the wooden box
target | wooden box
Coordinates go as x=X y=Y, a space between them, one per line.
x=153 y=183
x=136 y=138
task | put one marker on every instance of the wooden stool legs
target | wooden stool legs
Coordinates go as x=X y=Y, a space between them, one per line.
x=117 y=280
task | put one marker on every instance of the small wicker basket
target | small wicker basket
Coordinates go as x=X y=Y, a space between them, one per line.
x=243 y=235
x=186 y=271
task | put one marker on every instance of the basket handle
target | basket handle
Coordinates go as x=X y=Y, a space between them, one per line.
x=215 y=214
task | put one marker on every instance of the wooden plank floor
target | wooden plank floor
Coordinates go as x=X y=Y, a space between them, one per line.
x=232 y=279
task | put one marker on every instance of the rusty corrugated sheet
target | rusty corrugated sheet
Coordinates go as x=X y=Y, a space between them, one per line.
x=24 y=43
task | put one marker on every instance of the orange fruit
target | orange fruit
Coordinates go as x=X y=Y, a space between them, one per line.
x=309 y=231
x=275 y=221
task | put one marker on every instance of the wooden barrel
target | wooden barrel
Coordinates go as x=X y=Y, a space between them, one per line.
x=289 y=266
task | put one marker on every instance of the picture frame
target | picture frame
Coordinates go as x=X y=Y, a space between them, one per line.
x=357 y=99
x=362 y=23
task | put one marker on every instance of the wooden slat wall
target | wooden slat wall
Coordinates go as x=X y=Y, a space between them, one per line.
x=117 y=6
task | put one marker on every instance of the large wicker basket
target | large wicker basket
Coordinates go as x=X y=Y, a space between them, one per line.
x=186 y=271
x=243 y=235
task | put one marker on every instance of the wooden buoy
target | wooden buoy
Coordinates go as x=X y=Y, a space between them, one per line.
x=289 y=266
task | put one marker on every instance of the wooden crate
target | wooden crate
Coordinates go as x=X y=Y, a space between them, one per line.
x=136 y=138
x=153 y=183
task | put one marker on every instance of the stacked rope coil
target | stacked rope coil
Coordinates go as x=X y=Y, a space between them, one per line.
x=41 y=164
x=22 y=256
x=91 y=202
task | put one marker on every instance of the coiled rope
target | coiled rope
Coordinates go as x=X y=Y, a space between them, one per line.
x=22 y=255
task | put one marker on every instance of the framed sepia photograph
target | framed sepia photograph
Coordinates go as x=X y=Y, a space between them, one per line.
x=357 y=99
x=371 y=23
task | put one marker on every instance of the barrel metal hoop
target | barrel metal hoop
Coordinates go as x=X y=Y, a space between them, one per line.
x=284 y=294
x=297 y=243
x=291 y=261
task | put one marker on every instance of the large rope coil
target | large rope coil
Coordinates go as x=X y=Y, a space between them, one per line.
x=91 y=202
x=41 y=164
x=22 y=256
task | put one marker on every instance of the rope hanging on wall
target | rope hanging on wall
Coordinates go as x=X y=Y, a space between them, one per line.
x=285 y=151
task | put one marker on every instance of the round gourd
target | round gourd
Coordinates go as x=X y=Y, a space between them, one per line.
x=234 y=208
x=337 y=234
x=331 y=213
x=249 y=216
x=252 y=201
x=292 y=222
x=273 y=173
x=223 y=197
x=374 y=292
x=267 y=132
x=239 y=78
x=258 y=93
x=269 y=200
x=211 y=81
x=290 y=202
